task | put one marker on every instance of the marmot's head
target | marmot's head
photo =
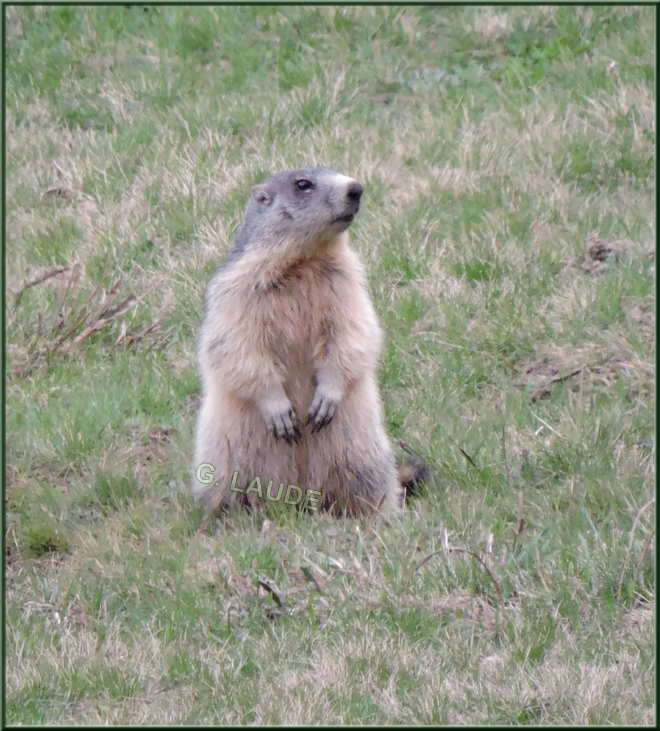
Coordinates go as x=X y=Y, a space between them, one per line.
x=300 y=207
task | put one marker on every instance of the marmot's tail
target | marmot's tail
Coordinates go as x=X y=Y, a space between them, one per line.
x=413 y=472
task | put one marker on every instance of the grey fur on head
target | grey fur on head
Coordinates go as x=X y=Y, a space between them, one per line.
x=308 y=197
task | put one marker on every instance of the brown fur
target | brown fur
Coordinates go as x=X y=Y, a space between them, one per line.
x=289 y=334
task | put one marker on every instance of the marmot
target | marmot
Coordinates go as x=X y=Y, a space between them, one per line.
x=288 y=350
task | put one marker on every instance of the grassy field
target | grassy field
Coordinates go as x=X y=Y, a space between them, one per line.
x=508 y=230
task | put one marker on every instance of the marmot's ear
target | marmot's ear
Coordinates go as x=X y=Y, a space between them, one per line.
x=261 y=194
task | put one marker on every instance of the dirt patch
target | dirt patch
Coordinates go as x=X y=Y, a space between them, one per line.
x=540 y=377
x=639 y=619
x=463 y=603
x=599 y=253
x=583 y=366
x=644 y=318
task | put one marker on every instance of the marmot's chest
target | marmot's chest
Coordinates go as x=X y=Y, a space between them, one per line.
x=297 y=314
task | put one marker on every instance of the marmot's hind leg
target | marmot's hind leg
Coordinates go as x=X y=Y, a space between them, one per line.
x=358 y=490
x=212 y=459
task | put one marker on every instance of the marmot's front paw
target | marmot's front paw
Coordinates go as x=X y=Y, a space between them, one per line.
x=281 y=419
x=323 y=408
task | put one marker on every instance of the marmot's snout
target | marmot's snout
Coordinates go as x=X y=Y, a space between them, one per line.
x=355 y=191
x=353 y=196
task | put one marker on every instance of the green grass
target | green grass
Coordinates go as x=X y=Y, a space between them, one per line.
x=491 y=143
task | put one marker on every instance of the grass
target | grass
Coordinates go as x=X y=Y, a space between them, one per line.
x=492 y=143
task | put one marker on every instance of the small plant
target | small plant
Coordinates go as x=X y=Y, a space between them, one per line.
x=45 y=537
x=74 y=317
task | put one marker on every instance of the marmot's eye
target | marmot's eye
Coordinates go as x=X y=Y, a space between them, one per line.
x=304 y=184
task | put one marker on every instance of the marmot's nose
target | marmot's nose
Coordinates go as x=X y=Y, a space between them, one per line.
x=355 y=191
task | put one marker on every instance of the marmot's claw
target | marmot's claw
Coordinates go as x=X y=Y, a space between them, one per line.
x=319 y=425
x=292 y=435
x=321 y=412
x=290 y=430
x=282 y=422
